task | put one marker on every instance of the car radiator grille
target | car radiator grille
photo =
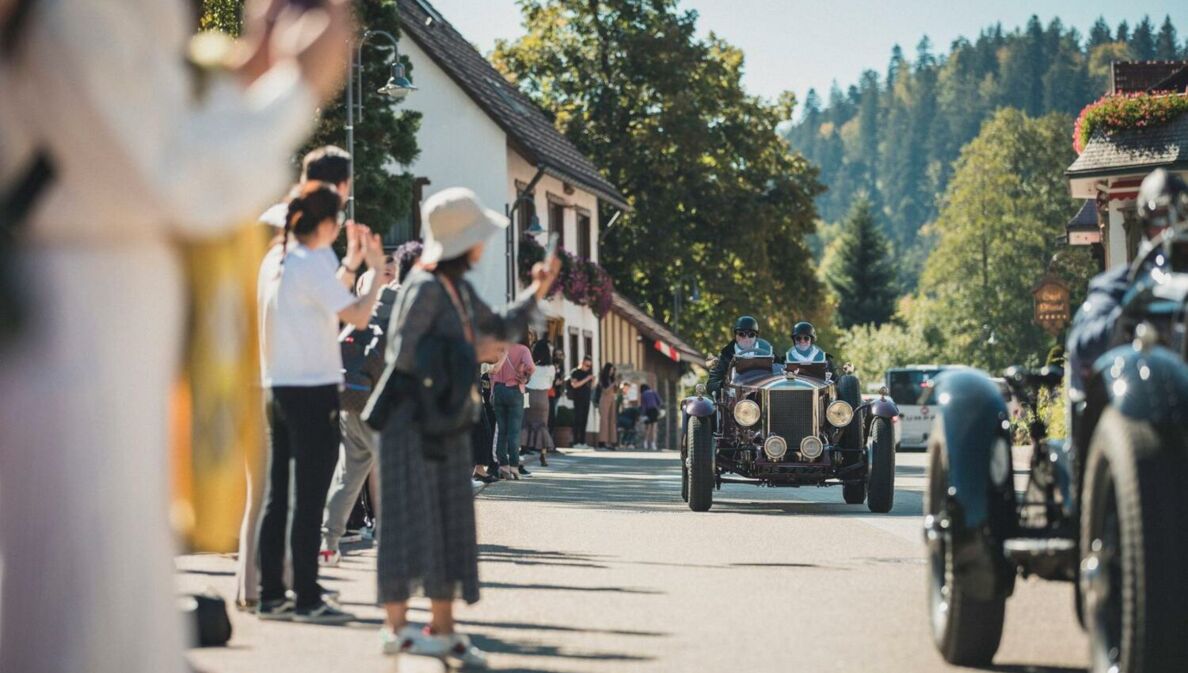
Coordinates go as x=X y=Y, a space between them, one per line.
x=790 y=415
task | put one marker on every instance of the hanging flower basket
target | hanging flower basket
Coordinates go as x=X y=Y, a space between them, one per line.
x=581 y=281
x=1124 y=112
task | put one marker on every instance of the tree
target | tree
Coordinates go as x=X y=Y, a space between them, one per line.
x=1004 y=207
x=383 y=139
x=860 y=272
x=1142 y=42
x=1167 y=45
x=1123 y=34
x=1099 y=33
x=715 y=192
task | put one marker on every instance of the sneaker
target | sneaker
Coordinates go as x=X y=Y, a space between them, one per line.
x=329 y=558
x=351 y=536
x=247 y=604
x=523 y=471
x=413 y=640
x=279 y=610
x=367 y=532
x=462 y=651
x=322 y=613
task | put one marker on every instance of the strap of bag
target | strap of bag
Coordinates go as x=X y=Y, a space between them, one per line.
x=463 y=314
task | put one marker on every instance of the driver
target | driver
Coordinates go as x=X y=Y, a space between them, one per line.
x=804 y=350
x=746 y=340
x=1161 y=198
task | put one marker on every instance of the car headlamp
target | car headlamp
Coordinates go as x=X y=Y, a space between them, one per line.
x=746 y=413
x=839 y=413
x=811 y=448
x=775 y=447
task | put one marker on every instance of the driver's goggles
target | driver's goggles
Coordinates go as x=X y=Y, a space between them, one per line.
x=746 y=333
x=804 y=338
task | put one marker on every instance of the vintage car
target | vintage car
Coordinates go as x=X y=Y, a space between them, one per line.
x=795 y=425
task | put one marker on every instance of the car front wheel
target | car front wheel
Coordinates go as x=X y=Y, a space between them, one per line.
x=881 y=490
x=699 y=464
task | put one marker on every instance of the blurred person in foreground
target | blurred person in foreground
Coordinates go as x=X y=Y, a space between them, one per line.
x=427 y=537
x=102 y=89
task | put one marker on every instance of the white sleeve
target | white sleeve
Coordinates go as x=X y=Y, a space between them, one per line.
x=116 y=107
x=326 y=290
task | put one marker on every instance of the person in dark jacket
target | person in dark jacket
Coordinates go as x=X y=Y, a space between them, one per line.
x=746 y=339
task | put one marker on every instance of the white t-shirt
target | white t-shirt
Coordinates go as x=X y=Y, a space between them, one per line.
x=299 y=317
x=542 y=378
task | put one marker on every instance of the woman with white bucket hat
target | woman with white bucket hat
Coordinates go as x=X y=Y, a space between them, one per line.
x=427 y=532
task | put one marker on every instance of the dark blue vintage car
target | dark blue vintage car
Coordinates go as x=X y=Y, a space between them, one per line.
x=1106 y=509
x=795 y=425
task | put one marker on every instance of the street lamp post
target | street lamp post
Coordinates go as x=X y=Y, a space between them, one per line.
x=397 y=88
x=534 y=229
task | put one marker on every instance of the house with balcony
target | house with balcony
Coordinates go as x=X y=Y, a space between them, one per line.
x=481 y=132
x=1113 y=159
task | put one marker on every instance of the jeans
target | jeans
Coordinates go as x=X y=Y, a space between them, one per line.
x=509 y=418
x=360 y=448
x=302 y=429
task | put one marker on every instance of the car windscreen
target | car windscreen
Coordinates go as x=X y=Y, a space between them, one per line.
x=911 y=386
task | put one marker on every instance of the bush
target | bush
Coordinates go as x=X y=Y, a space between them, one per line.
x=564 y=417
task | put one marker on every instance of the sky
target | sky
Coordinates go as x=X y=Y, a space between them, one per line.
x=801 y=44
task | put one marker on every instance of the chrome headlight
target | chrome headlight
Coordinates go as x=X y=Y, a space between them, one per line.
x=746 y=413
x=839 y=413
x=811 y=448
x=775 y=447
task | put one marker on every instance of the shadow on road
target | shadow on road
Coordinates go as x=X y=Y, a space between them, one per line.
x=1028 y=668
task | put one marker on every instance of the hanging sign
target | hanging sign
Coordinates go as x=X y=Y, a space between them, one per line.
x=1051 y=304
x=669 y=351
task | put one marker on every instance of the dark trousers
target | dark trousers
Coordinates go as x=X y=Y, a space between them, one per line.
x=302 y=431
x=581 y=413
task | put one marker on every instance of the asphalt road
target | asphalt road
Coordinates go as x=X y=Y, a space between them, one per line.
x=595 y=564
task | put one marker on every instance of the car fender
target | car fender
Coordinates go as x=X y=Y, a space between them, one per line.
x=700 y=406
x=884 y=408
x=1148 y=385
x=972 y=417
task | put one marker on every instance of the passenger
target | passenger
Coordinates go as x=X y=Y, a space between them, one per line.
x=804 y=350
x=746 y=340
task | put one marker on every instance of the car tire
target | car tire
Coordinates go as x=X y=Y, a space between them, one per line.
x=1132 y=547
x=849 y=389
x=966 y=630
x=880 y=496
x=854 y=493
x=684 y=474
x=699 y=464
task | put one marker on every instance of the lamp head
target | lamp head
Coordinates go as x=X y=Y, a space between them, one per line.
x=534 y=228
x=398 y=86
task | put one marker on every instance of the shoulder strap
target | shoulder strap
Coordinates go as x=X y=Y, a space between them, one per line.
x=463 y=314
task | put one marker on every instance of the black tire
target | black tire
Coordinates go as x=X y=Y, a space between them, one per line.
x=699 y=465
x=1133 y=547
x=880 y=497
x=855 y=493
x=684 y=474
x=966 y=630
x=849 y=389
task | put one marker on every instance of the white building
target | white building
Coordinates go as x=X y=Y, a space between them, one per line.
x=480 y=132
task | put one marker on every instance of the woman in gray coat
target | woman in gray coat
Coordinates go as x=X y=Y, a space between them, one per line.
x=427 y=529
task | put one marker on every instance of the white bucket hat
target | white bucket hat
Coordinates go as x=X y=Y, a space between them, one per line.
x=455 y=221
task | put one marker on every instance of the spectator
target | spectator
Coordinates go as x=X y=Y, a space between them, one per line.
x=427 y=528
x=139 y=163
x=581 y=381
x=608 y=416
x=536 y=418
x=507 y=395
x=651 y=405
x=301 y=301
x=363 y=363
x=486 y=469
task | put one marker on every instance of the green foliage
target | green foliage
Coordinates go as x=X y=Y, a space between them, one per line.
x=896 y=140
x=715 y=193
x=860 y=272
x=1001 y=215
x=1131 y=111
x=383 y=136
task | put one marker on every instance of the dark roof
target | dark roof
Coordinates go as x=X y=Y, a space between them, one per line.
x=1085 y=219
x=1134 y=150
x=1177 y=82
x=654 y=329
x=1139 y=76
x=530 y=132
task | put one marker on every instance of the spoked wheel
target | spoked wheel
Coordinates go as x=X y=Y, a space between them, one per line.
x=881 y=479
x=1132 y=544
x=966 y=630
x=699 y=464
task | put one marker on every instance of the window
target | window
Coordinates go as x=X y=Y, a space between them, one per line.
x=407 y=226
x=574 y=357
x=418 y=190
x=584 y=250
x=526 y=209
x=557 y=220
x=589 y=352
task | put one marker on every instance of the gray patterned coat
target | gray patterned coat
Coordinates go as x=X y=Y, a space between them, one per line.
x=426 y=526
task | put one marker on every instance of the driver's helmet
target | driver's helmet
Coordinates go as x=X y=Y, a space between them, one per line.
x=803 y=328
x=746 y=323
x=1162 y=199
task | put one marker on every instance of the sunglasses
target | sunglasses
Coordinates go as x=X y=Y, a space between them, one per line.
x=749 y=334
x=804 y=338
